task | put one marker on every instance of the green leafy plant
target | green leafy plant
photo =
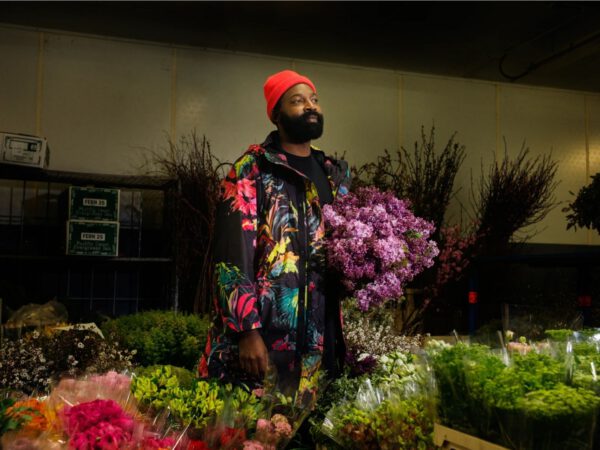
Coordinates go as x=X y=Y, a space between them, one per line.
x=584 y=211
x=196 y=405
x=161 y=337
x=184 y=376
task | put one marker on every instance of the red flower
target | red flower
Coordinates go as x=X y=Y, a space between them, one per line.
x=232 y=436
x=198 y=445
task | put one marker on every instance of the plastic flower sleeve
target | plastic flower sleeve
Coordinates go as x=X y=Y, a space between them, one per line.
x=393 y=417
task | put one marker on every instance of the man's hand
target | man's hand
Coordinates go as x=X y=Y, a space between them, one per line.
x=254 y=356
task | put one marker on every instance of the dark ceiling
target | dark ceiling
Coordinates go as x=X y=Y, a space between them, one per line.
x=541 y=43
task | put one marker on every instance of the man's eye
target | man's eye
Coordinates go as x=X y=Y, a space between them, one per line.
x=314 y=100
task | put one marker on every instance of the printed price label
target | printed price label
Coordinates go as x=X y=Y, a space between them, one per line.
x=93 y=236
x=99 y=202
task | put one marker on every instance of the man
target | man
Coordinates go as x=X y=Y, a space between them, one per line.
x=275 y=307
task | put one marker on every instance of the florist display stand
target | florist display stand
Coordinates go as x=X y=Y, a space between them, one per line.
x=450 y=439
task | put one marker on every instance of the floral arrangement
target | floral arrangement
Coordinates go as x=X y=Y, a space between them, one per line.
x=82 y=414
x=376 y=244
x=392 y=408
x=31 y=363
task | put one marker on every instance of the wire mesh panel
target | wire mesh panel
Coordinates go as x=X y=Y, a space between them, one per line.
x=35 y=269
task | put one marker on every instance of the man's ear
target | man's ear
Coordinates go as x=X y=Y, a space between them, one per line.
x=275 y=118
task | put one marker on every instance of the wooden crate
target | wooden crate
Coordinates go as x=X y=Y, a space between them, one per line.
x=449 y=439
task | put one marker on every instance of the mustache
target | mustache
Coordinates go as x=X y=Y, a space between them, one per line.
x=308 y=114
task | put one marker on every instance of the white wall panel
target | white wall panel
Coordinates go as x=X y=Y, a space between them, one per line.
x=221 y=96
x=360 y=108
x=467 y=108
x=104 y=101
x=593 y=107
x=18 y=80
x=549 y=121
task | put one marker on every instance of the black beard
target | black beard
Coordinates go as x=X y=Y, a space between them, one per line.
x=299 y=129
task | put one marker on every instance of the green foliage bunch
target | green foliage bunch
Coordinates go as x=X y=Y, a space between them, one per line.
x=504 y=387
x=198 y=404
x=523 y=401
x=560 y=417
x=161 y=337
x=584 y=212
x=453 y=367
x=582 y=349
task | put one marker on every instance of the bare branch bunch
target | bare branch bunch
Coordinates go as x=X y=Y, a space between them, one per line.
x=514 y=194
x=423 y=176
x=197 y=172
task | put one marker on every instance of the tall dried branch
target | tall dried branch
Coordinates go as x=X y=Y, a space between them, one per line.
x=423 y=176
x=198 y=172
x=514 y=194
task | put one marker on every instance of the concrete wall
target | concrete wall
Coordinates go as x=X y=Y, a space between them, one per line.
x=104 y=104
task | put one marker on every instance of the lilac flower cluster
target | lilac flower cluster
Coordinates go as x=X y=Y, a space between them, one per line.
x=376 y=244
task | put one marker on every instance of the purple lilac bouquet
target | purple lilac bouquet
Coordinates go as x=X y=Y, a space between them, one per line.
x=377 y=244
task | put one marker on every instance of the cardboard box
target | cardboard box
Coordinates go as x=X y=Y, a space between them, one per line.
x=24 y=150
x=92 y=238
x=90 y=203
x=449 y=439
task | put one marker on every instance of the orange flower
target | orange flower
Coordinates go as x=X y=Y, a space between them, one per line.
x=32 y=411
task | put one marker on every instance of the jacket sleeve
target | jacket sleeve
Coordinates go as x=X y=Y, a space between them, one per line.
x=235 y=243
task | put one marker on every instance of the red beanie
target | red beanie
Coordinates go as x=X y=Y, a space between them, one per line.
x=278 y=83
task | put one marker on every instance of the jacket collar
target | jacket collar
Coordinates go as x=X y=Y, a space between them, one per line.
x=336 y=170
x=275 y=153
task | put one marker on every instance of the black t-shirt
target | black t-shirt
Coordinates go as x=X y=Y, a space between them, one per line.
x=310 y=167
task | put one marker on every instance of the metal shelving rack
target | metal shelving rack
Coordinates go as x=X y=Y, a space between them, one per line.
x=34 y=268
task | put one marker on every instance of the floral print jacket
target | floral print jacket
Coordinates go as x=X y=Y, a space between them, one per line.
x=269 y=262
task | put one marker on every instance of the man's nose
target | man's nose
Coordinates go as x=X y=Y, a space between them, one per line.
x=310 y=106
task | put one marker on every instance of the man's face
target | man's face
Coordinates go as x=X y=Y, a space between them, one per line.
x=300 y=115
